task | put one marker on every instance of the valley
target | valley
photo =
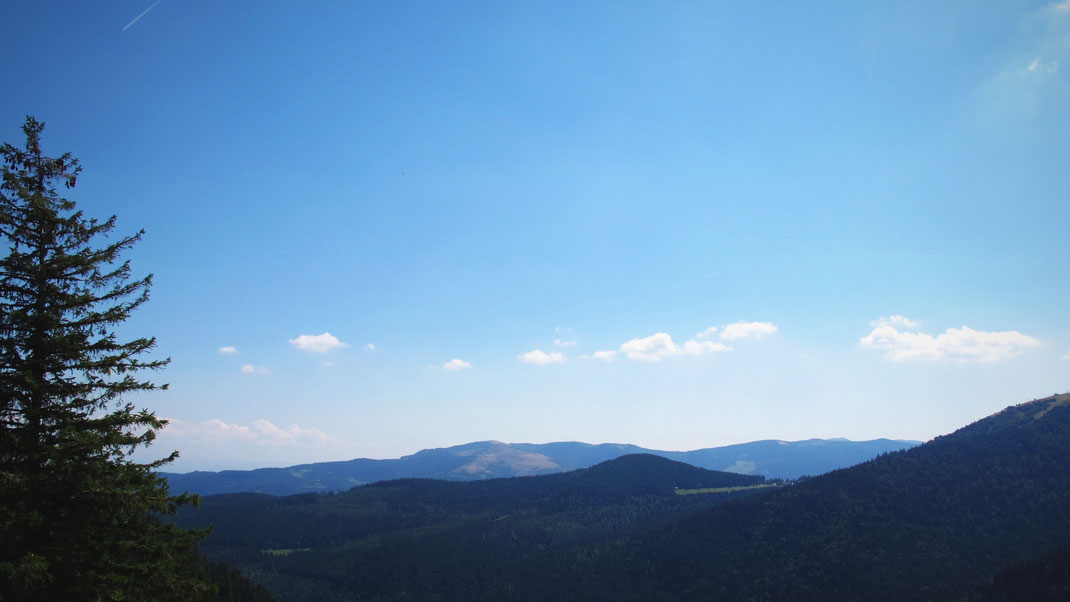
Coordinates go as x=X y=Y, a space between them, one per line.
x=936 y=521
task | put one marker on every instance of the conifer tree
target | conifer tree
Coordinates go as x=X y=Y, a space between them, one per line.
x=78 y=516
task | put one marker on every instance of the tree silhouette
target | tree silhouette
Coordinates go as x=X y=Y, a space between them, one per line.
x=79 y=518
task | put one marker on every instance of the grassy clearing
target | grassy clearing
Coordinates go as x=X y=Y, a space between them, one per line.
x=722 y=489
x=285 y=551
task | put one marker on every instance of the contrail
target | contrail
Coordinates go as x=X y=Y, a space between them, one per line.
x=142 y=14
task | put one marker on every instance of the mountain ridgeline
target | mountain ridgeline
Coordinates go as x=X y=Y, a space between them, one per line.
x=414 y=534
x=928 y=523
x=493 y=459
x=980 y=514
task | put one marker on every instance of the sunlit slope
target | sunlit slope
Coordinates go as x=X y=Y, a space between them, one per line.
x=494 y=459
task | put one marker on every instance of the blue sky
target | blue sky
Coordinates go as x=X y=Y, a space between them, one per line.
x=868 y=202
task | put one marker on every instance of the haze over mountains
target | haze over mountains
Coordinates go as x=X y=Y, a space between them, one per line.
x=494 y=459
x=982 y=513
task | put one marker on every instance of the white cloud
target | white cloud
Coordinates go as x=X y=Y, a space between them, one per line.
x=564 y=343
x=251 y=369
x=707 y=334
x=744 y=330
x=370 y=346
x=659 y=346
x=700 y=347
x=228 y=350
x=270 y=434
x=653 y=348
x=541 y=358
x=456 y=364
x=1028 y=79
x=317 y=343
x=260 y=432
x=1026 y=82
x=1067 y=356
x=605 y=356
x=1038 y=66
x=896 y=320
x=329 y=364
x=961 y=344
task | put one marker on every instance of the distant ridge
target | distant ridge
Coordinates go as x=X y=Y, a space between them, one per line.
x=493 y=459
x=314 y=547
x=980 y=514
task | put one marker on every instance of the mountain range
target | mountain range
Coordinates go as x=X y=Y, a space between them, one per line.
x=982 y=514
x=363 y=542
x=494 y=459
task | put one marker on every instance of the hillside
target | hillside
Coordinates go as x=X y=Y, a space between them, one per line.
x=1042 y=577
x=493 y=459
x=935 y=522
x=422 y=533
x=928 y=523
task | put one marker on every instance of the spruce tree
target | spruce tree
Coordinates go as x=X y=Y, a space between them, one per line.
x=78 y=516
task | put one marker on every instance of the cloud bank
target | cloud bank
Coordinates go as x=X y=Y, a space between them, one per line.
x=960 y=344
x=659 y=346
x=259 y=432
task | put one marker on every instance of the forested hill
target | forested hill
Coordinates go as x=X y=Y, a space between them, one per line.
x=1045 y=576
x=965 y=514
x=929 y=523
x=493 y=459
x=422 y=539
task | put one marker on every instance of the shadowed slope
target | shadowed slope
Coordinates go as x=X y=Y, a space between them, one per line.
x=441 y=537
x=927 y=523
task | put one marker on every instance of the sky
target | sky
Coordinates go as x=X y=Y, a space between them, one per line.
x=379 y=227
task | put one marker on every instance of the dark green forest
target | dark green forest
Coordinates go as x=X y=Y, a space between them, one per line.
x=963 y=515
x=1042 y=577
x=420 y=534
x=929 y=523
